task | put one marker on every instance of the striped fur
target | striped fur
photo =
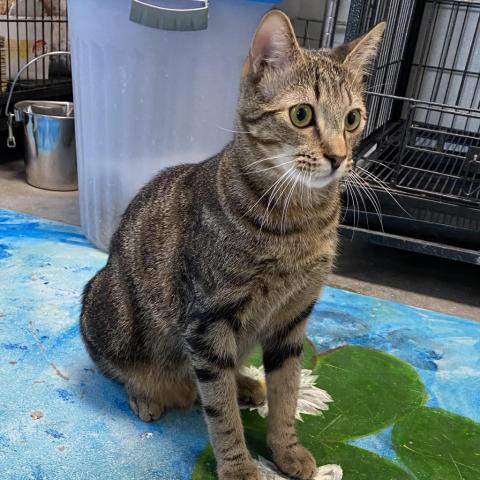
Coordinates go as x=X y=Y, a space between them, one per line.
x=210 y=260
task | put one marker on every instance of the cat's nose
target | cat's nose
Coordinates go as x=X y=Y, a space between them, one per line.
x=335 y=160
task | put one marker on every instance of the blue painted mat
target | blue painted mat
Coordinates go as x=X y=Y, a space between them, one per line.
x=60 y=419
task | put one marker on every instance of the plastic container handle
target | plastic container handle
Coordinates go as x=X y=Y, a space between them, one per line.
x=11 y=143
x=164 y=18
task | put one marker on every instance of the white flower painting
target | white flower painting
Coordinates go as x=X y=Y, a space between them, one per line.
x=311 y=399
x=326 y=472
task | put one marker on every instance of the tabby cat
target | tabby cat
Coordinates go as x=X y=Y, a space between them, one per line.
x=213 y=258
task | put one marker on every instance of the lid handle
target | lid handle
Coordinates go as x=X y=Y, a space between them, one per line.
x=164 y=18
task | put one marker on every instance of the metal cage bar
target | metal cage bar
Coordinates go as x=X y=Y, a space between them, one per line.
x=425 y=92
x=29 y=29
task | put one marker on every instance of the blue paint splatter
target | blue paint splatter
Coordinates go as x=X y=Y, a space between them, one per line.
x=4 y=440
x=65 y=395
x=337 y=328
x=38 y=473
x=426 y=360
x=71 y=333
x=54 y=433
x=339 y=316
x=37 y=230
x=81 y=269
x=122 y=405
x=14 y=346
x=4 y=251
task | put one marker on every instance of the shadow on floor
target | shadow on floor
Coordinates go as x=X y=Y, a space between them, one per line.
x=410 y=272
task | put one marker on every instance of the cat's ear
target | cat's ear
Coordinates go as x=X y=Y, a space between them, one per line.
x=274 y=44
x=359 y=54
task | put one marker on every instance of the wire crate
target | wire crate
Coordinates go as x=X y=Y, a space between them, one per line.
x=427 y=158
x=436 y=126
x=29 y=28
x=417 y=171
x=324 y=32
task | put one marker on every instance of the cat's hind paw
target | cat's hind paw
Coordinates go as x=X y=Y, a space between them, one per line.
x=148 y=410
x=250 y=391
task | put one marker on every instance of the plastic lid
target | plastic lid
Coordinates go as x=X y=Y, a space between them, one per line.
x=165 y=15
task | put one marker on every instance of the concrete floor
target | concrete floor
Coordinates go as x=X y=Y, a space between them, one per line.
x=406 y=277
x=410 y=278
x=16 y=194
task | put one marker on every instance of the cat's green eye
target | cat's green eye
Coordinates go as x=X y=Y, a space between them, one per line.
x=352 y=120
x=301 y=115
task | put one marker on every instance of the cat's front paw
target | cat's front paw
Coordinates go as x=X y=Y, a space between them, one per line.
x=247 y=471
x=295 y=461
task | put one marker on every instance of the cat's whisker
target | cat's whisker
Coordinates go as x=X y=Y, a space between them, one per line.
x=307 y=190
x=358 y=180
x=283 y=226
x=284 y=189
x=376 y=204
x=302 y=191
x=284 y=201
x=371 y=176
x=306 y=187
x=367 y=172
x=371 y=194
x=379 y=163
x=349 y=191
x=272 y=198
x=310 y=189
x=276 y=157
x=233 y=131
x=277 y=186
x=292 y=193
x=384 y=187
x=356 y=213
x=287 y=202
x=267 y=191
x=271 y=168
x=345 y=182
x=356 y=187
x=356 y=206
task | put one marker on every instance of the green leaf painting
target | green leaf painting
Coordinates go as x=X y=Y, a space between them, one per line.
x=438 y=445
x=205 y=466
x=357 y=463
x=372 y=390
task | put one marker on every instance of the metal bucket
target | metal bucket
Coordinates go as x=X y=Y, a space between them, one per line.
x=50 y=155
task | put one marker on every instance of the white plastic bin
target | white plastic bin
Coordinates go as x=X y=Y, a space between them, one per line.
x=147 y=98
